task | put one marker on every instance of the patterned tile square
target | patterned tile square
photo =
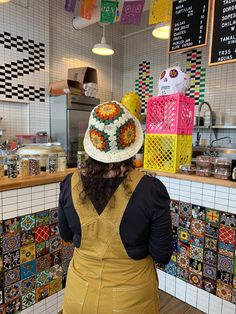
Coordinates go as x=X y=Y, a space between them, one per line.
x=184 y=235
x=199 y=242
x=55 y=271
x=11 y=243
x=65 y=265
x=43 y=263
x=55 y=286
x=211 y=243
x=42 y=248
x=209 y=272
x=42 y=278
x=198 y=212
x=185 y=209
x=224 y=291
x=42 y=293
x=171 y=268
x=227 y=235
x=42 y=218
x=53 y=215
x=228 y=220
x=174 y=206
x=175 y=219
x=197 y=227
x=174 y=257
x=63 y=282
x=184 y=222
x=195 y=266
x=54 y=230
x=175 y=245
x=27 y=253
x=28 y=284
x=225 y=277
x=210 y=257
x=234 y=296
x=211 y=230
x=196 y=253
x=11 y=226
x=1 y=297
x=183 y=260
x=56 y=258
x=27 y=238
x=182 y=273
x=13 y=306
x=212 y=216
x=13 y=291
x=11 y=276
x=11 y=260
x=209 y=285
x=28 y=299
x=226 y=249
x=28 y=269
x=54 y=244
x=41 y=234
x=195 y=279
x=225 y=263
x=182 y=248
x=27 y=222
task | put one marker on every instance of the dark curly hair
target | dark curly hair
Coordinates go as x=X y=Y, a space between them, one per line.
x=98 y=190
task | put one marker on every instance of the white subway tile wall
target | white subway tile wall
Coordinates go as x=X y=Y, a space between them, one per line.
x=24 y=63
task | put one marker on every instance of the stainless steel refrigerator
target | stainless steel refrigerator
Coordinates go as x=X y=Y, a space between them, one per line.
x=69 y=116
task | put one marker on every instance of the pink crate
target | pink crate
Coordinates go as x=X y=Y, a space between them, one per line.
x=171 y=114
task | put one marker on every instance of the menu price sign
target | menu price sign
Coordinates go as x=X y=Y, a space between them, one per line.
x=189 y=25
x=223 y=32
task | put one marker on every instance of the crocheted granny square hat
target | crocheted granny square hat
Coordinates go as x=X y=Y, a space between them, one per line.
x=113 y=133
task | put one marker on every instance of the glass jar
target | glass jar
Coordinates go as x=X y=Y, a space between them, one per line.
x=43 y=163
x=62 y=162
x=52 y=163
x=1 y=166
x=34 y=165
x=204 y=166
x=24 y=165
x=222 y=168
x=12 y=166
x=81 y=157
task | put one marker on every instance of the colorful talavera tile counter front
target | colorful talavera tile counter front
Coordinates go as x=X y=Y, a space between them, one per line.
x=34 y=260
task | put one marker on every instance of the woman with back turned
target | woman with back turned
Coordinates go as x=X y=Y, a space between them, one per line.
x=118 y=219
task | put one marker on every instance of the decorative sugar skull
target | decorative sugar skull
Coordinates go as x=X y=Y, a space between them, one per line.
x=132 y=102
x=173 y=81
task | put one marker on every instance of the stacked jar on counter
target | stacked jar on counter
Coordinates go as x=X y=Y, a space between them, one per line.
x=207 y=166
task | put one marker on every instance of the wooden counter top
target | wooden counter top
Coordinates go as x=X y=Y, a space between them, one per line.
x=23 y=182
x=208 y=180
x=18 y=183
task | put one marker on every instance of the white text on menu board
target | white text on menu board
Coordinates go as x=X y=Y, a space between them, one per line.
x=228 y=20
x=180 y=28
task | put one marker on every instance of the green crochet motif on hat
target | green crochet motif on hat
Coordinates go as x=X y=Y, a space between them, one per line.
x=99 y=139
x=126 y=134
x=108 y=112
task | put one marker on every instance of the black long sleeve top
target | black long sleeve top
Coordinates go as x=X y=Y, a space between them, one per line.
x=145 y=228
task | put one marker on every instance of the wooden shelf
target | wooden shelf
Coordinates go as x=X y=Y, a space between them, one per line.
x=194 y=178
x=23 y=182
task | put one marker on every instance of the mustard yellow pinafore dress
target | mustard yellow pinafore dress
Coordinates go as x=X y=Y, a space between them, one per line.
x=102 y=278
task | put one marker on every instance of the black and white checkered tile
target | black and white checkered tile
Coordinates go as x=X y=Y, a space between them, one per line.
x=13 y=70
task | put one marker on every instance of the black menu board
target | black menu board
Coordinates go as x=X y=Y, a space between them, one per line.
x=223 y=36
x=189 y=24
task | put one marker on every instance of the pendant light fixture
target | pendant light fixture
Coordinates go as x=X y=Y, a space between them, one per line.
x=103 y=49
x=4 y=1
x=162 y=31
x=162 y=18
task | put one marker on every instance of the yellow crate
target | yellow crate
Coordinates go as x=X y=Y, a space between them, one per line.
x=166 y=152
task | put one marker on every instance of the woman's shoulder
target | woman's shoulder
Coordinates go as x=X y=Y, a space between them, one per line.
x=66 y=182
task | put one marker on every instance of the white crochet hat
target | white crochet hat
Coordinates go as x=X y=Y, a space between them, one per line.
x=113 y=133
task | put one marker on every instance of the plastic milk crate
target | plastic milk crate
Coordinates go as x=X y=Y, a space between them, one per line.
x=166 y=152
x=171 y=114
